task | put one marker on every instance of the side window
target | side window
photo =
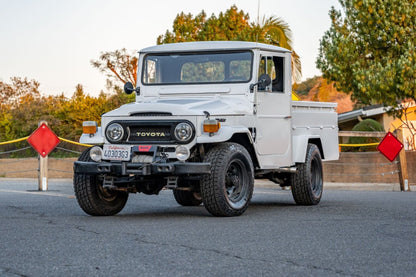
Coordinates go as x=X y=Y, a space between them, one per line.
x=150 y=76
x=272 y=66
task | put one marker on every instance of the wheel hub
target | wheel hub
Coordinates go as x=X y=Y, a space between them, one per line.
x=234 y=182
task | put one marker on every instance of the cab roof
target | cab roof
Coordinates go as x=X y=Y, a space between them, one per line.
x=212 y=46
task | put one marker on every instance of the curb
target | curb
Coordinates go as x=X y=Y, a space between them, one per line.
x=265 y=183
x=345 y=186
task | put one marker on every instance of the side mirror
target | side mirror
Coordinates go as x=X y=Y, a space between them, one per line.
x=264 y=81
x=129 y=88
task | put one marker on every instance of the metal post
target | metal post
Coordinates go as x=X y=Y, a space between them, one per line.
x=403 y=174
x=43 y=169
x=43 y=173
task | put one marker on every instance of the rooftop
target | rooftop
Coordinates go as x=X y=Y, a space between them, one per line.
x=364 y=112
x=212 y=46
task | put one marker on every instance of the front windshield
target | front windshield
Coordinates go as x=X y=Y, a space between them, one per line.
x=230 y=67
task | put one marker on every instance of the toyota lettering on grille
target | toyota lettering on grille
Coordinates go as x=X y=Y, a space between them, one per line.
x=142 y=132
x=150 y=134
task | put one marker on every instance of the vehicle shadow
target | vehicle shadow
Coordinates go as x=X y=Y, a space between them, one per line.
x=199 y=211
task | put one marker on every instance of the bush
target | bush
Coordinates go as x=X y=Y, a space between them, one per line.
x=367 y=125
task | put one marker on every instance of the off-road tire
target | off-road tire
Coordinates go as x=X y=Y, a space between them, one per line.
x=307 y=182
x=92 y=197
x=227 y=191
x=187 y=198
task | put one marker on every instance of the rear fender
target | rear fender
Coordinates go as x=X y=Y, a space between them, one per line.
x=300 y=145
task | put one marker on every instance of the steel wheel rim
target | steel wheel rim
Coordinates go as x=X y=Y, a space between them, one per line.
x=316 y=176
x=106 y=195
x=236 y=184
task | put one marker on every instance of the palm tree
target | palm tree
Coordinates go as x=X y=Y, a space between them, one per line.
x=276 y=31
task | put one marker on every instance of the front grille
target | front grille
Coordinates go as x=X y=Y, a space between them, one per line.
x=150 y=131
x=150 y=134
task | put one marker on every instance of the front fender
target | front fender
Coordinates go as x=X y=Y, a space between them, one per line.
x=224 y=134
x=96 y=138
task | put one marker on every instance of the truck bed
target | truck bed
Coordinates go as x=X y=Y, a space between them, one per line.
x=315 y=119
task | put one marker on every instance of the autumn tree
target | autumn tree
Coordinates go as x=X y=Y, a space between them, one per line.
x=320 y=89
x=10 y=93
x=82 y=107
x=304 y=87
x=23 y=106
x=119 y=66
x=370 y=50
x=233 y=24
x=186 y=27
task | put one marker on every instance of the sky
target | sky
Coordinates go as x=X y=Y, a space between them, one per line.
x=54 y=41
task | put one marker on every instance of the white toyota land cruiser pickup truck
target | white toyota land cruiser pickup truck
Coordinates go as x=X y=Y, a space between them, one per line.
x=208 y=119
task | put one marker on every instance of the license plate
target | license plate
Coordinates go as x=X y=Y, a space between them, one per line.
x=116 y=152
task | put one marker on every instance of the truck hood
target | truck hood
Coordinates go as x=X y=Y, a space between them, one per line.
x=186 y=106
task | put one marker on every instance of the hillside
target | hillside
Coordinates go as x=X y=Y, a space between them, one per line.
x=318 y=89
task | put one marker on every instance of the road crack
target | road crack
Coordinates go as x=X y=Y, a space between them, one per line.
x=310 y=266
x=82 y=229
x=239 y=257
x=10 y=272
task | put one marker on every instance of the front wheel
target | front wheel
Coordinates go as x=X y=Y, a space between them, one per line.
x=92 y=197
x=307 y=182
x=227 y=191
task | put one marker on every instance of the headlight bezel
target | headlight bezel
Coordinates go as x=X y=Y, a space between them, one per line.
x=189 y=129
x=120 y=137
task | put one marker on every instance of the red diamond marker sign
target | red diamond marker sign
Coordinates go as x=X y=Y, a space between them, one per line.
x=43 y=140
x=390 y=146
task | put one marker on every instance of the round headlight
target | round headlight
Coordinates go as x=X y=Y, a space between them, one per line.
x=183 y=131
x=182 y=153
x=114 y=132
x=96 y=153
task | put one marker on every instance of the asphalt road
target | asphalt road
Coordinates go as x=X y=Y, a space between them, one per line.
x=351 y=233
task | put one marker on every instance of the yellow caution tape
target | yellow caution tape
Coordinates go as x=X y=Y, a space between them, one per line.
x=25 y=138
x=359 y=145
x=13 y=141
x=89 y=145
x=74 y=142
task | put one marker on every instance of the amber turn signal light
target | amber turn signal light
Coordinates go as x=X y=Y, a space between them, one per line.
x=211 y=125
x=89 y=127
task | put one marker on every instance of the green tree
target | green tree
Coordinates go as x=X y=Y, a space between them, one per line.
x=370 y=50
x=233 y=24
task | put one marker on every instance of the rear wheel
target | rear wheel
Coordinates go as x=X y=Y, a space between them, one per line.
x=92 y=197
x=187 y=198
x=227 y=191
x=307 y=182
